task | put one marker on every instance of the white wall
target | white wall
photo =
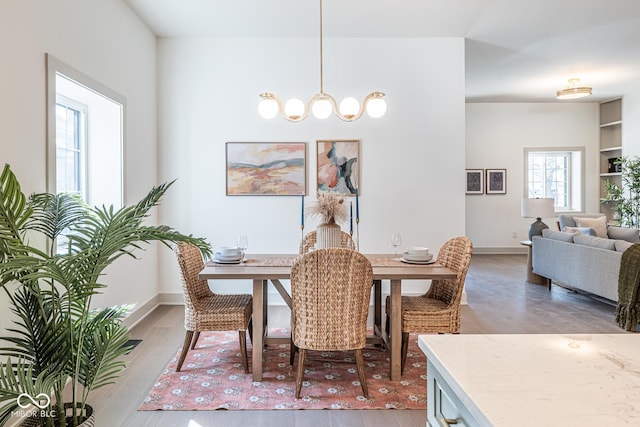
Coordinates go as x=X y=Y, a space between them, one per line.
x=106 y=41
x=412 y=158
x=496 y=137
x=630 y=122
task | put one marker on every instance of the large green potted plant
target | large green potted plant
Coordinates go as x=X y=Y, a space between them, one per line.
x=625 y=198
x=58 y=340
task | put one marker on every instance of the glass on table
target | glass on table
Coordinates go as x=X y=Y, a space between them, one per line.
x=243 y=244
x=396 y=241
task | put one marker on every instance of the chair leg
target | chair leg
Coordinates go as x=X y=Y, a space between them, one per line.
x=292 y=351
x=363 y=378
x=195 y=340
x=386 y=326
x=242 y=336
x=302 y=359
x=404 y=350
x=185 y=348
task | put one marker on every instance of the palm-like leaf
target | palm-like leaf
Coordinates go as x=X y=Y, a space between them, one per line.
x=14 y=212
x=103 y=346
x=53 y=214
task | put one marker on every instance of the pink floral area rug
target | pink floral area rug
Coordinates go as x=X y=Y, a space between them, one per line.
x=212 y=378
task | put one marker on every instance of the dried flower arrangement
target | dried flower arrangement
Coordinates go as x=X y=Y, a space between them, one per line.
x=329 y=207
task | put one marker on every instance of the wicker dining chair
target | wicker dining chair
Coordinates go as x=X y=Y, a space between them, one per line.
x=205 y=310
x=330 y=291
x=311 y=238
x=438 y=310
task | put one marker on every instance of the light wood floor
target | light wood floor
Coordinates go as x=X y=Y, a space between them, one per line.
x=500 y=301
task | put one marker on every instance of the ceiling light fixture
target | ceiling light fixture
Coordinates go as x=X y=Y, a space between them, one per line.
x=573 y=92
x=322 y=104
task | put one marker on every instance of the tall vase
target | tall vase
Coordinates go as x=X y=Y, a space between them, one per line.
x=328 y=235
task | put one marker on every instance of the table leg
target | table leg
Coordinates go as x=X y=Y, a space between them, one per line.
x=259 y=315
x=396 y=330
x=533 y=277
x=377 y=307
x=265 y=311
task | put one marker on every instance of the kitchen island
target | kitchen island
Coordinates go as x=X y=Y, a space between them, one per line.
x=533 y=380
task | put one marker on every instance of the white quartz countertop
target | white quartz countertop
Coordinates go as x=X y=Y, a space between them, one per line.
x=542 y=380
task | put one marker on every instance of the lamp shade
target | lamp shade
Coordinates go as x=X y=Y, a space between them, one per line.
x=538 y=208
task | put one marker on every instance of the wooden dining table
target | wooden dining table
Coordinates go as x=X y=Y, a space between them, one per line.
x=262 y=269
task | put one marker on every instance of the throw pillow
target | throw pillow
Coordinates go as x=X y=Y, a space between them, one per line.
x=580 y=230
x=598 y=224
x=621 y=233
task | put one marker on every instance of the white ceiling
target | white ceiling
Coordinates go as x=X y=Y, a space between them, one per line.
x=516 y=50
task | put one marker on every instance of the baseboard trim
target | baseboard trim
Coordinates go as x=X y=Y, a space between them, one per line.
x=142 y=311
x=509 y=250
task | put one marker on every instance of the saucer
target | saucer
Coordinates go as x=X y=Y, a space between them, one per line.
x=219 y=261
x=417 y=258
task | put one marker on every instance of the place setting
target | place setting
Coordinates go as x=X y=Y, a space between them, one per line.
x=232 y=254
x=419 y=255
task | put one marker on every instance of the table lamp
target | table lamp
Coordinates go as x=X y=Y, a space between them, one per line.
x=538 y=208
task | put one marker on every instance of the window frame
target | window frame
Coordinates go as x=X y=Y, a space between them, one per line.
x=576 y=191
x=54 y=68
x=82 y=132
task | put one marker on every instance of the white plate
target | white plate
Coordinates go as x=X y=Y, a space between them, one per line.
x=431 y=261
x=418 y=258
x=219 y=257
x=220 y=261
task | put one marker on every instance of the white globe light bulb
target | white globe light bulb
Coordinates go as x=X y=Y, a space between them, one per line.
x=268 y=108
x=376 y=107
x=294 y=108
x=322 y=109
x=349 y=107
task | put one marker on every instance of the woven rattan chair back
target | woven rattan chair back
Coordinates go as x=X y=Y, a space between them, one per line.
x=455 y=254
x=205 y=310
x=194 y=290
x=311 y=238
x=330 y=292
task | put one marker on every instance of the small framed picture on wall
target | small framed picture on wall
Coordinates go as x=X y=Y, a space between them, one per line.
x=475 y=181
x=496 y=182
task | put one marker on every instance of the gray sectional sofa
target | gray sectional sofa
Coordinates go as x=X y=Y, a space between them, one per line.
x=581 y=260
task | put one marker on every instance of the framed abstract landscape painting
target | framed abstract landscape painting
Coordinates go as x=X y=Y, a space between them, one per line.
x=266 y=168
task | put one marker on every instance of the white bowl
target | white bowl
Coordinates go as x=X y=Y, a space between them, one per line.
x=419 y=258
x=418 y=251
x=230 y=251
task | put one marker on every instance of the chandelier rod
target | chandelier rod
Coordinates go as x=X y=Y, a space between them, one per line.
x=321 y=55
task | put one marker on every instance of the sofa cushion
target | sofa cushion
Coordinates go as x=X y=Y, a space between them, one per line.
x=621 y=233
x=596 y=242
x=622 y=245
x=587 y=231
x=558 y=235
x=598 y=224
